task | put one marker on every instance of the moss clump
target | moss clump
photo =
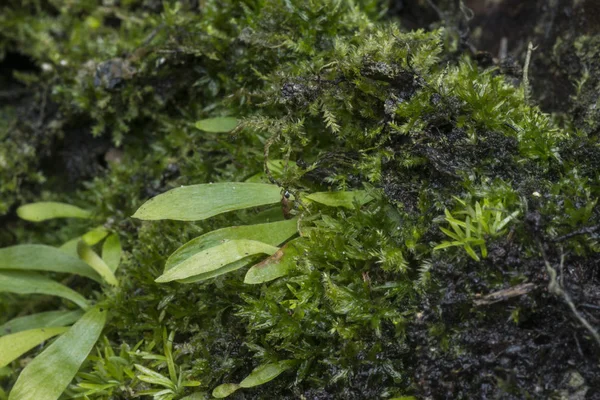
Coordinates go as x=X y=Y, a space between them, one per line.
x=451 y=152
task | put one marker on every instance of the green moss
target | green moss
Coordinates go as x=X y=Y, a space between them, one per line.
x=370 y=309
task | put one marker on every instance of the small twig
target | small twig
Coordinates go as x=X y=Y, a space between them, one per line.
x=505 y=294
x=583 y=231
x=556 y=288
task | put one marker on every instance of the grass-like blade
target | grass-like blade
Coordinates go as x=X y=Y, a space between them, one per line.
x=31 y=283
x=197 y=202
x=49 y=374
x=45 y=210
x=39 y=257
x=40 y=320
x=216 y=257
x=15 y=345
x=273 y=233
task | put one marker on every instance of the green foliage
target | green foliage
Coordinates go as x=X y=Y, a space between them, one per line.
x=259 y=376
x=43 y=211
x=49 y=374
x=373 y=131
x=480 y=223
x=219 y=124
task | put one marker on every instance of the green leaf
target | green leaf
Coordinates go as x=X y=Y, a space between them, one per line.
x=234 y=266
x=197 y=202
x=49 y=374
x=95 y=235
x=31 y=283
x=216 y=257
x=341 y=199
x=154 y=377
x=111 y=251
x=43 y=258
x=218 y=124
x=276 y=266
x=91 y=238
x=471 y=252
x=444 y=245
x=225 y=390
x=93 y=260
x=273 y=234
x=265 y=373
x=44 y=210
x=15 y=345
x=40 y=320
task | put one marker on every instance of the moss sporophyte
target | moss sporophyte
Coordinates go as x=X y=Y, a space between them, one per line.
x=391 y=215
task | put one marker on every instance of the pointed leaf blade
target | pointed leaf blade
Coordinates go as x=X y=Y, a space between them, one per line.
x=217 y=125
x=225 y=390
x=31 y=283
x=275 y=266
x=111 y=252
x=45 y=210
x=216 y=257
x=234 y=266
x=198 y=202
x=49 y=374
x=266 y=373
x=43 y=258
x=15 y=345
x=93 y=260
x=40 y=320
x=273 y=234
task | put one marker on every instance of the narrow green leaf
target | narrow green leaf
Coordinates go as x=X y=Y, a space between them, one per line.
x=111 y=251
x=15 y=345
x=444 y=245
x=95 y=235
x=266 y=373
x=44 y=210
x=450 y=233
x=341 y=199
x=273 y=234
x=93 y=260
x=216 y=257
x=43 y=258
x=218 y=124
x=225 y=390
x=275 y=266
x=40 y=320
x=154 y=377
x=31 y=283
x=197 y=202
x=91 y=238
x=70 y=247
x=49 y=374
x=234 y=266
x=471 y=252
